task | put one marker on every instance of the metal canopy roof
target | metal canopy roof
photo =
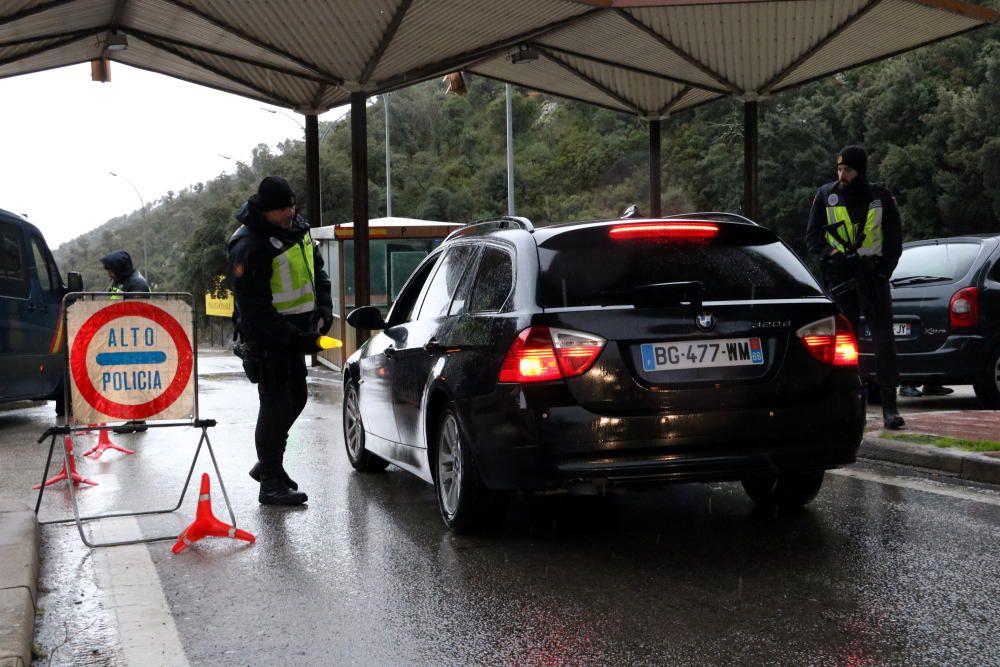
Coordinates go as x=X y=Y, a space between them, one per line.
x=654 y=58
x=647 y=57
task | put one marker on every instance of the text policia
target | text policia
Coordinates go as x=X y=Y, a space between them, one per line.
x=135 y=344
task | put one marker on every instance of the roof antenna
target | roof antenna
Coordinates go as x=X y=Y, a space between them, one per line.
x=632 y=212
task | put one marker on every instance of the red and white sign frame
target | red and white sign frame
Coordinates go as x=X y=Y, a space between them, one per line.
x=88 y=321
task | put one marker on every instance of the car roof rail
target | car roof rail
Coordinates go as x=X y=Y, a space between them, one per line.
x=721 y=216
x=492 y=225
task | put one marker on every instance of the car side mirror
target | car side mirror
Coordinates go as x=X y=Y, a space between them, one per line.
x=74 y=282
x=366 y=317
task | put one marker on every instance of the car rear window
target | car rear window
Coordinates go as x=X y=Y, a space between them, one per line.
x=587 y=267
x=945 y=260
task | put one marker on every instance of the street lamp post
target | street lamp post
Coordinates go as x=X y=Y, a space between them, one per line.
x=145 y=229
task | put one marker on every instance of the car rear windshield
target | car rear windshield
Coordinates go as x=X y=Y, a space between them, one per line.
x=945 y=260
x=587 y=267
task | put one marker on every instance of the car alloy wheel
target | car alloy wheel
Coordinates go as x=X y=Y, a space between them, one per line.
x=353 y=430
x=988 y=387
x=354 y=434
x=449 y=466
x=461 y=496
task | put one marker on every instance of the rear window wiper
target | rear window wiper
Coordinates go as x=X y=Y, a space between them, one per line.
x=917 y=280
x=661 y=294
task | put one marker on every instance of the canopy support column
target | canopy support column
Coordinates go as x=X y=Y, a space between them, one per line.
x=655 y=170
x=750 y=155
x=313 y=205
x=359 y=180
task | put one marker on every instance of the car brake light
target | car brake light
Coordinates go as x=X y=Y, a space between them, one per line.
x=964 y=308
x=831 y=340
x=681 y=231
x=540 y=354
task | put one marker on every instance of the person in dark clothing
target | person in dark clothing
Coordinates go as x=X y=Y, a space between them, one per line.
x=855 y=230
x=125 y=278
x=282 y=293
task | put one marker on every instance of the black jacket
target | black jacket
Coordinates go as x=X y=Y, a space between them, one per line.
x=126 y=279
x=252 y=249
x=856 y=198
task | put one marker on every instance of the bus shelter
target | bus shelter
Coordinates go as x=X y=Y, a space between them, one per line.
x=397 y=246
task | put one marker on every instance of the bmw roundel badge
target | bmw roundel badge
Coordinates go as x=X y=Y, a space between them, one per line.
x=705 y=321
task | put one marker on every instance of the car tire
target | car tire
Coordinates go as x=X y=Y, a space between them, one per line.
x=988 y=386
x=354 y=434
x=460 y=493
x=793 y=490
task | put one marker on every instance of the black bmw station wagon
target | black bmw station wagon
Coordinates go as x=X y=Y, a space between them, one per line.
x=585 y=355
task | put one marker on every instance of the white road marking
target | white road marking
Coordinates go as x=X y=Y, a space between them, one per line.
x=131 y=587
x=975 y=495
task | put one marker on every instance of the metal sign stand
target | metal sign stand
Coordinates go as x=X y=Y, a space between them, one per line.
x=65 y=430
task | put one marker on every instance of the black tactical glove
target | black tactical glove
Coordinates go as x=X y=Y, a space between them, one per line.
x=306 y=343
x=324 y=318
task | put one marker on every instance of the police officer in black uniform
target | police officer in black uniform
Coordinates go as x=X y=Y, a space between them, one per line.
x=281 y=294
x=855 y=230
x=125 y=278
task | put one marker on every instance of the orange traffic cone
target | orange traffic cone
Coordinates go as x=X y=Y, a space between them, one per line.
x=206 y=525
x=103 y=444
x=73 y=474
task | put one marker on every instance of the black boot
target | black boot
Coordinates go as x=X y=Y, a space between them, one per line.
x=273 y=491
x=890 y=415
x=289 y=482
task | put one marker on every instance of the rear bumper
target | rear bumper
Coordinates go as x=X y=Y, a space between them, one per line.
x=518 y=447
x=959 y=360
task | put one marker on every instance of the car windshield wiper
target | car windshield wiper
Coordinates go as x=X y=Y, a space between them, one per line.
x=917 y=280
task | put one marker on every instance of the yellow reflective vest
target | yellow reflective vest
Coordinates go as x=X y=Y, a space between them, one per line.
x=846 y=235
x=293 y=279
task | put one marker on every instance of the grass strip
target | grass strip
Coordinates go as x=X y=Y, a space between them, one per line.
x=943 y=442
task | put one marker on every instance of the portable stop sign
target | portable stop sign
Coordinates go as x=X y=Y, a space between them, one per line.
x=131 y=360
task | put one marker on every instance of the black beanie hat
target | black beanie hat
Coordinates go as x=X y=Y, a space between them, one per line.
x=853 y=157
x=274 y=194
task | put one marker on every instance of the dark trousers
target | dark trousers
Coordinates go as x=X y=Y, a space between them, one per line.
x=869 y=296
x=282 y=394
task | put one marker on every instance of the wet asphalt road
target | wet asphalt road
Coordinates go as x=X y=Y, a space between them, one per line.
x=885 y=567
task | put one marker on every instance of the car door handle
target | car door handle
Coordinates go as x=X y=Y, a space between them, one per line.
x=432 y=346
x=389 y=351
x=31 y=307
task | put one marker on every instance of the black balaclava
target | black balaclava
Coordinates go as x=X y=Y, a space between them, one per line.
x=855 y=158
x=274 y=194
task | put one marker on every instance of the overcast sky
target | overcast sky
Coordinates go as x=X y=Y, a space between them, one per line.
x=60 y=134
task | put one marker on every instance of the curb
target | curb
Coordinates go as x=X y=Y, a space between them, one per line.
x=18 y=583
x=970 y=466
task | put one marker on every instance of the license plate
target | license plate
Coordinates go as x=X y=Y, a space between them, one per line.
x=898 y=329
x=718 y=353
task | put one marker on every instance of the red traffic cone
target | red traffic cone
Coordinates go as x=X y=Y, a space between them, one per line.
x=103 y=444
x=73 y=474
x=206 y=525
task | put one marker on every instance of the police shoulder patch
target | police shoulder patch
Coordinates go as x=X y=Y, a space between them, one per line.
x=832 y=199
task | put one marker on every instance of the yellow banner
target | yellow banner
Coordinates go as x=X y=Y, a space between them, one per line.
x=219 y=307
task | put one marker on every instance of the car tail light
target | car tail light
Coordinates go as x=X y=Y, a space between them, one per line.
x=682 y=231
x=831 y=340
x=964 y=308
x=540 y=354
